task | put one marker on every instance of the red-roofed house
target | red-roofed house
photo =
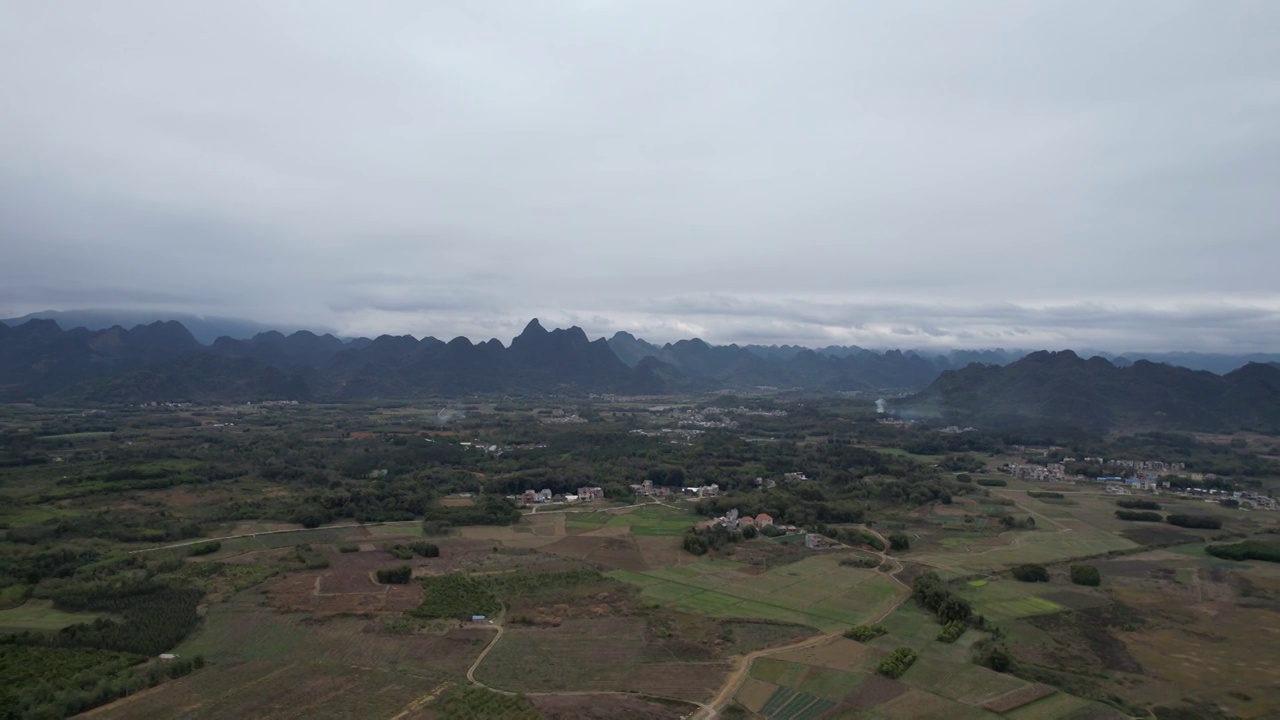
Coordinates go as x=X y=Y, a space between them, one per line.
x=763 y=519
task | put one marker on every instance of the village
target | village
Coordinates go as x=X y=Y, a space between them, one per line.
x=1142 y=476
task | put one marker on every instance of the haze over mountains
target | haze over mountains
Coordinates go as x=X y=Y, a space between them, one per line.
x=164 y=361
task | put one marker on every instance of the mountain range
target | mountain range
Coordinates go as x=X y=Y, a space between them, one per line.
x=1062 y=388
x=164 y=361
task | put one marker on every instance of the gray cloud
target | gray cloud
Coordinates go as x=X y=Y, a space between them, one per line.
x=917 y=173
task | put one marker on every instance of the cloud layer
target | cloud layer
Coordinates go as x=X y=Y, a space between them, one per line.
x=913 y=174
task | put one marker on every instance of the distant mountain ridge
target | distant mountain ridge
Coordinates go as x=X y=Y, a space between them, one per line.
x=1064 y=389
x=205 y=329
x=163 y=361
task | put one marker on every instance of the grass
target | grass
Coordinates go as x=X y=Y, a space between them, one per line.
x=77 y=436
x=653 y=520
x=960 y=681
x=40 y=615
x=829 y=684
x=1037 y=546
x=1008 y=599
x=748 y=636
x=815 y=591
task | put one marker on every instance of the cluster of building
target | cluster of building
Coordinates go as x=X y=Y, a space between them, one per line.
x=956 y=430
x=1254 y=501
x=573 y=419
x=538 y=497
x=731 y=521
x=1052 y=472
x=1155 y=466
x=648 y=489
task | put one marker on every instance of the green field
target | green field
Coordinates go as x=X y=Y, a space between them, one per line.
x=649 y=520
x=1037 y=546
x=816 y=591
x=77 y=436
x=1009 y=599
x=40 y=615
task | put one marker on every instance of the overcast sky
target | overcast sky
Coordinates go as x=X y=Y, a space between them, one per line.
x=889 y=174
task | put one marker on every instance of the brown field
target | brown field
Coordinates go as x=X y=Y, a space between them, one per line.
x=614 y=553
x=607 y=654
x=838 y=654
x=346 y=587
x=755 y=693
x=262 y=690
x=1177 y=629
x=456 y=502
x=1018 y=698
x=551 y=610
x=267 y=664
x=658 y=551
x=875 y=690
x=606 y=707
x=917 y=705
x=686 y=681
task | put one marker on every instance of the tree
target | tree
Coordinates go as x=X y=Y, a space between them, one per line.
x=1086 y=575
x=1031 y=573
x=899 y=541
x=398 y=575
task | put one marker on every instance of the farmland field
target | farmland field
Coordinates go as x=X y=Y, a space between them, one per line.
x=606 y=654
x=268 y=664
x=39 y=615
x=816 y=591
x=1040 y=546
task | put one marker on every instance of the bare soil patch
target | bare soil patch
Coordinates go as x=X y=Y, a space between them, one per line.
x=614 y=553
x=873 y=691
x=606 y=707
x=1158 y=536
x=1075 y=600
x=687 y=681
x=1089 y=636
x=346 y=587
x=1018 y=698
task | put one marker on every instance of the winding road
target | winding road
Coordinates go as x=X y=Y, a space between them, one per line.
x=742 y=666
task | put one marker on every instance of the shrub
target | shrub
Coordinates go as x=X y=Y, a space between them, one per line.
x=1086 y=575
x=1203 y=522
x=863 y=633
x=929 y=591
x=456 y=596
x=992 y=482
x=860 y=535
x=897 y=663
x=204 y=548
x=964 y=478
x=1138 y=516
x=860 y=560
x=1046 y=495
x=1247 y=550
x=995 y=656
x=348 y=548
x=952 y=631
x=899 y=541
x=435 y=528
x=1031 y=573
x=398 y=575
x=1138 y=504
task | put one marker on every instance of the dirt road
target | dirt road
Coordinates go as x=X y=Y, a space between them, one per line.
x=742 y=666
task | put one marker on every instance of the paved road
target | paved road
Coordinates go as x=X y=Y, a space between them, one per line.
x=185 y=543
